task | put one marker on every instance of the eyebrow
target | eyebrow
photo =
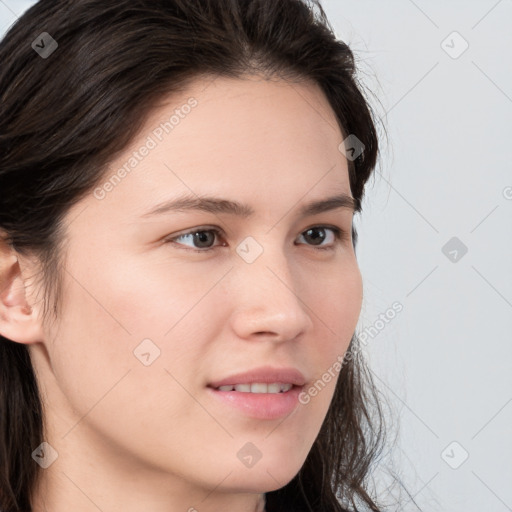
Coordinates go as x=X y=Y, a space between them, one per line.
x=217 y=205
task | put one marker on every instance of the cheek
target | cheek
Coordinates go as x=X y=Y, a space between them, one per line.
x=152 y=299
x=335 y=302
x=116 y=318
x=105 y=388
x=91 y=349
x=338 y=300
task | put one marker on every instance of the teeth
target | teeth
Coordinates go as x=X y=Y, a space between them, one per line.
x=258 y=387
x=245 y=388
x=273 y=388
x=226 y=388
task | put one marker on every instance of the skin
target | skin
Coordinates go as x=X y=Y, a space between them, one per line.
x=131 y=437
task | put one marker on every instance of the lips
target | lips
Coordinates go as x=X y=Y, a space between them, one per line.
x=262 y=401
x=265 y=374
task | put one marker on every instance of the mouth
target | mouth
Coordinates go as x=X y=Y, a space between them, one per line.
x=265 y=393
x=264 y=379
x=258 y=387
x=258 y=400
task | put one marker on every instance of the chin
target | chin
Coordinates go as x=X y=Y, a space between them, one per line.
x=262 y=478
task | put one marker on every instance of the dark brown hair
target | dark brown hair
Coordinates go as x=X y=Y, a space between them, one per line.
x=65 y=117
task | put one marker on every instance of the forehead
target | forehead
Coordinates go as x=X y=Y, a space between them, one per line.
x=252 y=139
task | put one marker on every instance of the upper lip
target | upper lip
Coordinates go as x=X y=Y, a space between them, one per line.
x=265 y=374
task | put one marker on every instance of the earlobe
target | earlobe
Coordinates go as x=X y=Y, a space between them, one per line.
x=19 y=320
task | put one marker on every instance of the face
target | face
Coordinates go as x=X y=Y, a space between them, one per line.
x=158 y=308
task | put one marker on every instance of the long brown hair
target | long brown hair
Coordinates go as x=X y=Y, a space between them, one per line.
x=65 y=115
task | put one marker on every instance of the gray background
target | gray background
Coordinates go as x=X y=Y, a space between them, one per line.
x=444 y=362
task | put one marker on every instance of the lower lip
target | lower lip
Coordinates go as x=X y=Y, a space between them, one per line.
x=263 y=406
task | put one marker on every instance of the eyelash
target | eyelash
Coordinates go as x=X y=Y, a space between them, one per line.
x=339 y=234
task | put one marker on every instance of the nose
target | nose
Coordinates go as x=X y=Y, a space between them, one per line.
x=267 y=301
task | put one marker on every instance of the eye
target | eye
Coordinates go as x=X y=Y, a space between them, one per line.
x=201 y=236
x=316 y=233
x=205 y=237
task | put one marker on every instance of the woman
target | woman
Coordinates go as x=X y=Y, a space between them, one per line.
x=180 y=290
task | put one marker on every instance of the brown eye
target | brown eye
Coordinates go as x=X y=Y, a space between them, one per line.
x=202 y=239
x=315 y=236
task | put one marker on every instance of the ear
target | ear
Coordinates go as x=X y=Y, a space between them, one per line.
x=19 y=320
